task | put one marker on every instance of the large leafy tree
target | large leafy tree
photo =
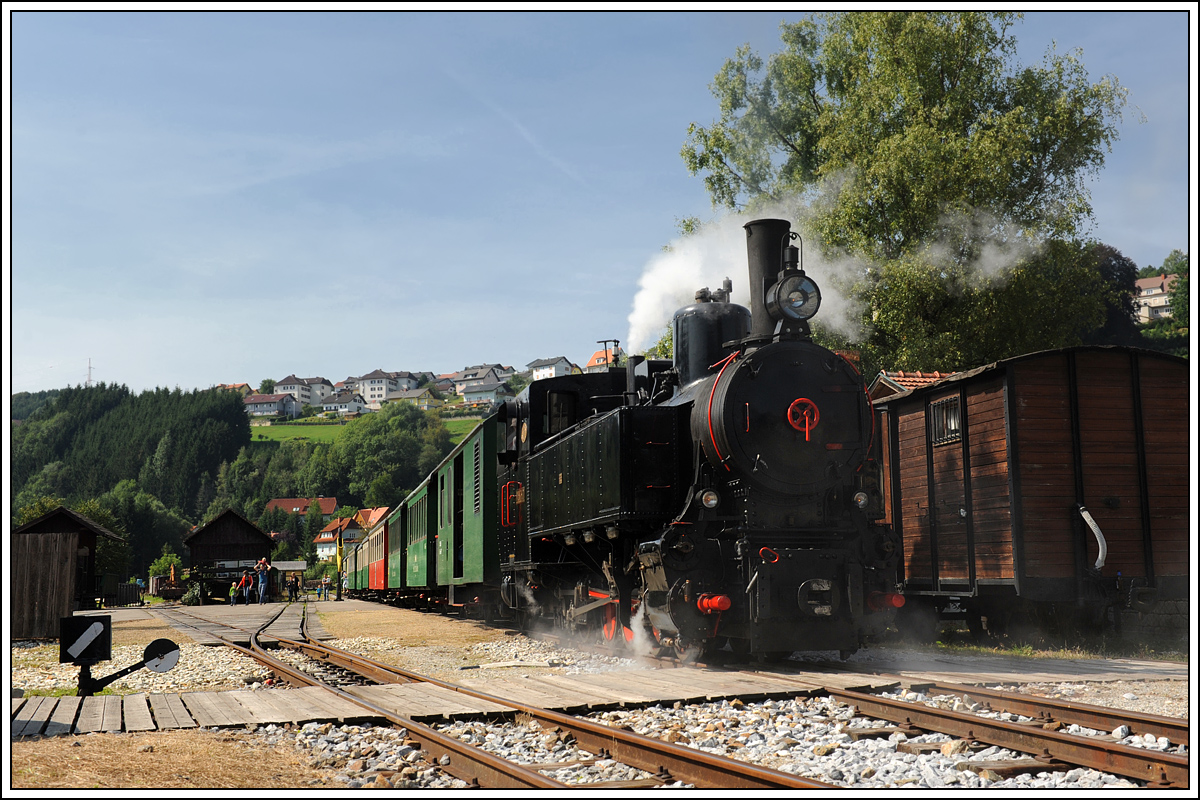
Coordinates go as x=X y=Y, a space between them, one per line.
x=890 y=119
x=1120 y=278
x=1179 y=266
x=912 y=141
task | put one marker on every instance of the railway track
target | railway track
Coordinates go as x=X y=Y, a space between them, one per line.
x=664 y=762
x=1040 y=730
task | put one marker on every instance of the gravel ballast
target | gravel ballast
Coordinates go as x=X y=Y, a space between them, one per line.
x=804 y=736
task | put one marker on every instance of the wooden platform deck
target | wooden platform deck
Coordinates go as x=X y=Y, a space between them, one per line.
x=52 y=716
x=208 y=624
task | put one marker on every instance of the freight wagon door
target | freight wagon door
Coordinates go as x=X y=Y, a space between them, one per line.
x=947 y=498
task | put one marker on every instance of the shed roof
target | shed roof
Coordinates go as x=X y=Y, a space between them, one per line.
x=197 y=531
x=53 y=520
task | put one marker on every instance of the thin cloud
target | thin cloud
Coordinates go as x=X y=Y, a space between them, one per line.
x=521 y=130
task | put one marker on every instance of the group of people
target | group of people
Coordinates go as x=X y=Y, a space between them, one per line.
x=245 y=586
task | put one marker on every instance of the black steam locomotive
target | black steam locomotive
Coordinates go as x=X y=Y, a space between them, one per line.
x=726 y=497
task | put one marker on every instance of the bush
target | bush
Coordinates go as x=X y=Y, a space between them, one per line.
x=192 y=596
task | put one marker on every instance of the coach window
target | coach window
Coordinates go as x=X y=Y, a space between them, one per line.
x=944 y=424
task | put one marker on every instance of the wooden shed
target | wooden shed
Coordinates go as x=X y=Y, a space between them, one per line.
x=986 y=470
x=220 y=550
x=53 y=571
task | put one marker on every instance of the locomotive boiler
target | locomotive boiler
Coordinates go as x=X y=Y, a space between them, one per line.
x=726 y=497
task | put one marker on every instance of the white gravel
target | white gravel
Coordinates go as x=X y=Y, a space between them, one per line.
x=804 y=736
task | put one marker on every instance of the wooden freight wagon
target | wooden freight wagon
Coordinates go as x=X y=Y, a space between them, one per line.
x=53 y=571
x=987 y=471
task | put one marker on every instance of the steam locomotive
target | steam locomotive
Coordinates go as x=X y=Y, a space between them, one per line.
x=728 y=497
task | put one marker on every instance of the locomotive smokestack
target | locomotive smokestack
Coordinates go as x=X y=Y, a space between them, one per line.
x=765 y=240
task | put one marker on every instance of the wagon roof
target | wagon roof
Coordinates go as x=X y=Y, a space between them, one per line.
x=1004 y=363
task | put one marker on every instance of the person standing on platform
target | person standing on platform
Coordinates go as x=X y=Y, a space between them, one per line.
x=262 y=568
x=246 y=584
x=233 y=589
x=325 y=582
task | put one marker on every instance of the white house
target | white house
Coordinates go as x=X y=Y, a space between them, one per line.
x=486 y=393
x=346 y=403
x=550 y=368
x=375 y=386
x=306 y=391
x=1151 y=300
x=271 y=405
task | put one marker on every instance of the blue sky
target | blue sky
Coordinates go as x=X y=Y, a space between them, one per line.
x=202 y=198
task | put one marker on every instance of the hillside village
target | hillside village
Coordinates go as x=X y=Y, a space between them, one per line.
x=473 y=388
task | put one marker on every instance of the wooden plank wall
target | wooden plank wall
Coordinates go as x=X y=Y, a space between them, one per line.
x=42 y=585
x=1109 y=456
x=991 y=504
x=886 y=421
x=1166 y=413
x=914 y=494
x=1047 y=472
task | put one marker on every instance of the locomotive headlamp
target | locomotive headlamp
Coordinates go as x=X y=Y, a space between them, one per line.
x=861 y=499
x=569 y=539
x=795 y=297
x=611 y=531
x=710 y=499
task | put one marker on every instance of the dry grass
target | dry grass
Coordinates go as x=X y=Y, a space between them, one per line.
x=142 y=632
x=177 y=760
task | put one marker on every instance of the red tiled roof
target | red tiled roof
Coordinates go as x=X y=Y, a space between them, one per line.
x=601 y=357
x=294 y=505
x=370 y=517
x=340 y=524
x=911 y=380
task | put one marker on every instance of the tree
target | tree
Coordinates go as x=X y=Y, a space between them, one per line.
x=314 y=521
x=881 y=123
x=1178 y=290
x=664 y=347
x=1120 y=277
x=1175 y=260
x=162 y=565
x=929 y=315
x=910 y=142
x=267 y=386
x=519 y=381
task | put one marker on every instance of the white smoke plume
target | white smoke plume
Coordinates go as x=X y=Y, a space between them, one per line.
x=718 y=251
x=643 y=643
x=531 y=603
x=974 y=246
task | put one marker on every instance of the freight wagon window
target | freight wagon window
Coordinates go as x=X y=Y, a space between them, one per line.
x=560 y=412
x=944 y=425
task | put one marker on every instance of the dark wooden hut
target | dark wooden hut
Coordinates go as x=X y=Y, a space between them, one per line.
x=220 y=550
x=986 y=471
x=53 y=571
